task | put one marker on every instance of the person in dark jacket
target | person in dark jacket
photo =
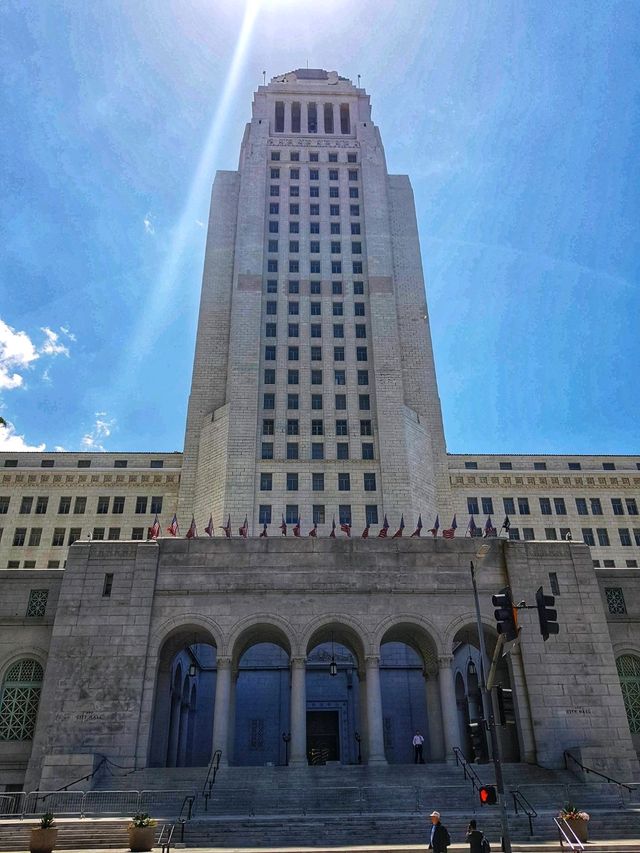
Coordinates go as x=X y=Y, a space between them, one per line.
x=439 y=839
x=474 y=837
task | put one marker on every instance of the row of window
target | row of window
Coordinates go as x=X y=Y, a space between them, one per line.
x=314 y=157
x=317 y=450
x=315 y=329
x=626 y=536
x=364 y=400
x=318 y=514
x=60 y=534
x=314 y=227
x=314 y=247
x=39 y=505
x=315 y=267
x=314 y=191
x=31 y=564
x=542 y=466
x=315 y=288
x=84 y=463
x=293 y=354
x=314 y=174
x=315 y=309
x=314 y=209
x=317 y=482
x=296 y=109
x=550 y=505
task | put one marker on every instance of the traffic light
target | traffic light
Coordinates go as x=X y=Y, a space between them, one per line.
x=504 y=695
x=506 y=615
x=547 y=615
x=488 y=795
x=476 y=735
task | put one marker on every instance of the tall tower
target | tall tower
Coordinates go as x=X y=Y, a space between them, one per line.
x=314 y=389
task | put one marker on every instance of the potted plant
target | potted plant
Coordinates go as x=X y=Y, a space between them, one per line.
x=576 y=820
x=43 y=839
x=142 y=833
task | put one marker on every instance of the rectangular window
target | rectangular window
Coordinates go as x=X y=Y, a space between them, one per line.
x=274 y=190
x=523 y=506
x=279 y=125
x=317 y=482
x=314 y=247
x=4 y=504
x=293 y=450
x=565 y=534
x=316 y=401
x=615 y=600
x=294 y=174
x=269 y=376
x=369 y=481
x=137 y=533
x=341 y=428
x=335 y=228
x=608 y=466
x=318 y=513
x=266 y=482
x=294 y=156
x=314 y=210
x=294 y=246
x=37 y=604
x=358 y=309
x=292 y=514
x=43 y=502
x=361 y=354
x=293 y=377
x=506 y=466
x=316 y=353
x=269 y=401
x=336 y=247
x=74 y=534
x=294 y=266
x=274 y=207
x=587 y=536
x=47 y=463
x=632 y=506
x=560 y=506
x=344 y=513
x=539 y=466
x=272 y=286
x=333 y=174
x=581 y=506
x=275 y=173
x=156 y=504
x=603 y=536
x=317 y=427
x=361 y=330
x=616 y=505
x=58 y=537
x=514 y=533
x=314 y=228
x=103 y=505
x=314 y=267
x=574 y=466
x=365 y=428
x=317 y=450
x=625 y=536
x=334 y=192
x=358 y=288
x=294 y=208
x=273 y=226
x=363 y=377
x=264 y=514
x=98 y=534
x=371 y=513
x=338 y=330
x=314 y=175
x=316 y=330
x=472 y=506
x=267 y=426
x=352 y=158
x=528 y=533
x=26 y=505
x=367 y=450
x=354 y=192
x=293 y=425
x=316 y=377
x=294 y=191
x=364 y=403
x=345 y=121
x=336 y=267
x=487 y=506
x=292 y=403
x=596 y=506
x=315 y=309
x=293 y=330
x=35 y=534
x=294 y=354
x=334 y=210
x=509 y=506
x=340 y=377
x=267 y=450
x=312 y=118
x=107 y=585
x=294 y=228
x=342 y=450
x=471 y=466
x=340 y=402
x=270 y=330
x=545 y=506
x=356 y=267
x=293 y=287
x=344 y=482
x=553 y=581
x=292 y=482
x=19 y=536
x=550 y=533
x=354 y=209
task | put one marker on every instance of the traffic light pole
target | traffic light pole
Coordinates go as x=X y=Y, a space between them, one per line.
x=491 y=721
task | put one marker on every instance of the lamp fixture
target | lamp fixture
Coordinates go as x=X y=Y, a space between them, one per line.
x=193 y=669
x=333 y=666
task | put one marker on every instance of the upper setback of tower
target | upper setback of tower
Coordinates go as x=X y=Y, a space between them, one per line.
x=312 y=112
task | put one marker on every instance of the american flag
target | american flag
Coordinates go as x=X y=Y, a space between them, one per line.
x=227 y=528
x=192 y=533
x=296 y=527
x=154 y=530
x=472 y=526
x=436 y=527
x=450 y=532
x=283 y=526
x=489 y=529
x=263 y=535
x=244 y=530
x=346 y=528
x=332 y=535
x=209 y=528
x=399 y=531
x=418 y=529
x=382 y=534
x=314 y=530
x=173 y=527
x=365 y=532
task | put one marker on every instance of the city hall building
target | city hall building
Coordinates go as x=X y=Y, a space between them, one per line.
x=314 y=410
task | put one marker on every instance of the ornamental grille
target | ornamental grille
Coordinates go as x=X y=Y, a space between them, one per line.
x=37 y=602
x=615 y=600
x=628 y=667
x=256 y=734
x=20 y=699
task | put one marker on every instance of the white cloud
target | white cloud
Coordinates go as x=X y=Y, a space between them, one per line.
x=200 y=223
x=17 y=352
x=10 y=441
x=102 y=429
x=66 y=331
x=52 y=345
x=149 y=227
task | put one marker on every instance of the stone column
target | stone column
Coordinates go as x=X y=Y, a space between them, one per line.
x=221 y=709
x=449 y=708
x=298 y=755
x=231 y=737
x=287 y=116
x=374 y=711
x=363 y=731
x=434 y=717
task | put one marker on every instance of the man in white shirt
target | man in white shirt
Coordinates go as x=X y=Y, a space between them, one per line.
x=418 y=742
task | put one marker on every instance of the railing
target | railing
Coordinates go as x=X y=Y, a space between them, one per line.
x=99 y=766
x=519 y=799
x=12 y=804
x=81 y=803
x=186 y=813
x=567 y=835
x=467 y=769
x=212 y=772
x=165 y=839
x=611 y=780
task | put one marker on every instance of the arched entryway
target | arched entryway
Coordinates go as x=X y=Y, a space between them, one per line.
x=182 y=726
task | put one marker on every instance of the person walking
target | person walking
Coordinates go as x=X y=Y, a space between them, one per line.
x=418 y=744
x=477 y=842
x=439 y=839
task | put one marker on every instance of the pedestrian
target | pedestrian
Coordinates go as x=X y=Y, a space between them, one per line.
x=418 y=744
x=439 y=839
x=477 y=841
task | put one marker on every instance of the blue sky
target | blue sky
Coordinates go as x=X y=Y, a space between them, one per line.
x=517 y=123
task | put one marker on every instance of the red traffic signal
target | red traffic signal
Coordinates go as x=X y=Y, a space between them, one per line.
x=488 y=795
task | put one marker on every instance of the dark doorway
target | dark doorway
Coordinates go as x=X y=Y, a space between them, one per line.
x=323 y=736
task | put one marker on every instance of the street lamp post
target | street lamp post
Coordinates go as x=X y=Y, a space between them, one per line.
x=358 y=739
x=286 y=738
x=488 y=706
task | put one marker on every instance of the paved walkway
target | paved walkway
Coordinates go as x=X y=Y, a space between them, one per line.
x=597 y=846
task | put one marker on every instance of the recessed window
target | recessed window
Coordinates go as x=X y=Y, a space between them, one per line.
x=98 y=534
x=293 y=402
x=523 y=506
x=316 y=353
x=269 y=376
x=340 y=402
x=37 y=604
x=141 y=505
x=137 y=533
x=103 y=505
x=471 y=466
x=317 y=482
x=19 y=536
x=560 y=506
x=293 y=377
x=42 y=503
x=156 y=504
x=292 y=482
x=74 y=535
x=581 y=506
x=293 y=451
x=267 y=426
x=487 y=506
x=264 y=514
x=550 y=533
x=316 y=377
x=540 y=466
x=35 y=534
x=267 y=450
x=107 y=585
x=615 y=600
x=47 y=463
x=342 y=427
x=156 y=463
x=317 y=450
x=367 y=450
x=616 y=505
x=84 y=463
x=587 y=536
x=4 y=504
x=506 y=466
x=608 y=466
x=625 y=536
x=364 y=402
x=596 y=506
x=10 y=463
x=603 y=536
x=472 y=506
x=26 y=505
x=266 y=482
x=632 y=506
x=344 y=482
x=58 y=537
x=269 y=401
x=369 y=481
x=509 y=506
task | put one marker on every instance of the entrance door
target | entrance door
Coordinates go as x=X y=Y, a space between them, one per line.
x=323 y=736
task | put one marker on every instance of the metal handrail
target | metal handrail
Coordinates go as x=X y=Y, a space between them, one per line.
x=574 y=844
x=102 y=761
x=166 y=844
x=467 y=769
x=582 y=766
x=525 y=805
x=212 y=772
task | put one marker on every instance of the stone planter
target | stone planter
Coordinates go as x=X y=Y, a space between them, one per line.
x=580 y=828
x=43 y=840
x=141 y=838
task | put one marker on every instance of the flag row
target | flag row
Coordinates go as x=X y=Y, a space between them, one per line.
x=383 y=533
